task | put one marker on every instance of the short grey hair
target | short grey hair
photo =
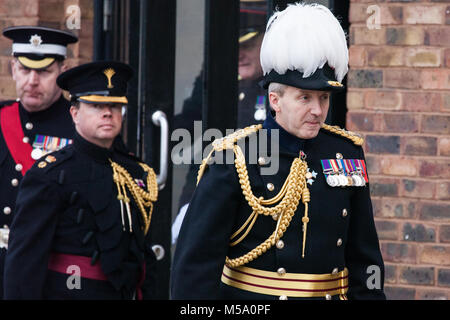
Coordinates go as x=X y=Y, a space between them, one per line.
x=278 y=88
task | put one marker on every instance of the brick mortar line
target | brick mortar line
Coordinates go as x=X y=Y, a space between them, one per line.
x=420 y=244
x=407 y=134
x=418 y=286
x=406 y=220
x=417 y=178
x=396 y=112
x=399 y=90
x=421 y=157
x=403 y=264
x=404 y=68
x=358 y=24
x=427 y=199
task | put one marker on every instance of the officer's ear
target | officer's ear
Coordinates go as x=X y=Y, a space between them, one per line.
x=74 y=108
x=274 y=100
x=13 y=68
x=64 y=67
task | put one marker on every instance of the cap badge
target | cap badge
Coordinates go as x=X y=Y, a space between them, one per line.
x=35 y=40
x=109 y=73
x=335 y=84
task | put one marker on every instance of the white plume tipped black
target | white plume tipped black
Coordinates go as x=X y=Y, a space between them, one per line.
x=304 y=37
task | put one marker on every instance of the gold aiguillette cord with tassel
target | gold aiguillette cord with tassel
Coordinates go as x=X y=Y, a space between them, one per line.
x=293 y=189
x=143 y=199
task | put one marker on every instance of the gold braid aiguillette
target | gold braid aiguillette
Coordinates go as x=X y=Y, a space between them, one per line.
x=143 y=199
x=287 y=200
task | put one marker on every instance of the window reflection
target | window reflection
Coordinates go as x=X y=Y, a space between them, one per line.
x=251 y=98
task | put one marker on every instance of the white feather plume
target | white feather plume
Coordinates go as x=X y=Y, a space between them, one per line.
x=304 y=37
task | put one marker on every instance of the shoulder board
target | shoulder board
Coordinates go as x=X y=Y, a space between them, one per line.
x=353 y=136
x=53 y=159
x=228 y=141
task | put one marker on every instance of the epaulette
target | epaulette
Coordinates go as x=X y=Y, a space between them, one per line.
x=353 y=136
x=54 y=159
x=227 y=142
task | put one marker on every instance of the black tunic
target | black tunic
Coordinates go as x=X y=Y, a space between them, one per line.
x=218 y=208
x=70 y=206
x=55 y=122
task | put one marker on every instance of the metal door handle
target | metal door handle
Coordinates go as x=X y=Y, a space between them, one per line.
x=159 y=118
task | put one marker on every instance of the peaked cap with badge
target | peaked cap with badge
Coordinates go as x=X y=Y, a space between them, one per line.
x=252 y=19
x=97 y=82
x=38 y=47
x=270 y=224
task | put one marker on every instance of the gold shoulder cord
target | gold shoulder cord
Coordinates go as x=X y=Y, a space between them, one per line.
x=143 y=199
x=288 y=198
x=354 y=137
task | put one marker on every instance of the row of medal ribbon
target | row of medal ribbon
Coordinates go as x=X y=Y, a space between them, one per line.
x=46 y=144
x=345 y=172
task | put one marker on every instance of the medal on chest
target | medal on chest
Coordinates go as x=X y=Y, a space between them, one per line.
x=260 y=108
x=45 y=144
x=342 y=172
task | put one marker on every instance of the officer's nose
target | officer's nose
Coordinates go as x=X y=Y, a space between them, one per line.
x=316 y=107
x=107 y=110
x=33 y=78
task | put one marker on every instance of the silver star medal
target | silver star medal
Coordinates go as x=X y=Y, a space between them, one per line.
x=310 y=176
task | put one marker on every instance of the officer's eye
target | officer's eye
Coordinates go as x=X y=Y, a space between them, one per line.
x=304 y=97
x=325 y=97
x=43 y=72
x=24 y=70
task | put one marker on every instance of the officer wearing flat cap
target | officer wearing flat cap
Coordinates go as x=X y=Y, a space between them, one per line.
x=307 y=231
x=38 y=121
x=251 y=96
x=82 y=226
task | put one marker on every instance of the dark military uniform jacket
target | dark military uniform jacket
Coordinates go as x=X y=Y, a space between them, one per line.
x=67 y=204
x=340 y=233
x=53 y=122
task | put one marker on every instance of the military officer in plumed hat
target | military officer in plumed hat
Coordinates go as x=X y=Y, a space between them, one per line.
x=38 y=121
x=82 y=226
x=306 y=231
x=252 y=102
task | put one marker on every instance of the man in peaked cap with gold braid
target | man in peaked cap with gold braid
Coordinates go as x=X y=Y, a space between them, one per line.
x=82 y=225
x=306 y=232
x=38 y=121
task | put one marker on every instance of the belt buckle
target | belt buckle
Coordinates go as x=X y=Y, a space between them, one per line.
x=4 y=237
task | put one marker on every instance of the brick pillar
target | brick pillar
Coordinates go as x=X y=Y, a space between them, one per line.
x=48 y=13
x=398 y=98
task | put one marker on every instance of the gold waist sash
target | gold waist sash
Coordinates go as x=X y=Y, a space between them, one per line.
x=287 y=284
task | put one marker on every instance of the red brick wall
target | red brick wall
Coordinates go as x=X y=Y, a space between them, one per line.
x=399 y=99
x=49 y=13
